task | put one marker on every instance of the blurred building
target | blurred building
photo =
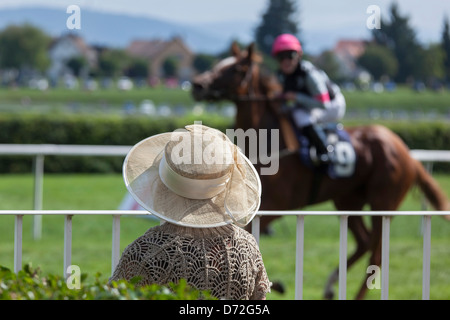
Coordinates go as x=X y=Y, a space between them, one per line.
x=158 y=51
x=347 y=52
x=63 y=49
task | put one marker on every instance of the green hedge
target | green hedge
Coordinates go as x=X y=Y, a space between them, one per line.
x=422 y=135
x=85 y=130
x=118 y=130
x=28 y=284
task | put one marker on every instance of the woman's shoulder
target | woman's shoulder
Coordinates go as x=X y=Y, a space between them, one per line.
x=168 y=232
x=153 y=236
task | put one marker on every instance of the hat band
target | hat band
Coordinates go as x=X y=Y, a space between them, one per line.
x=191 y=188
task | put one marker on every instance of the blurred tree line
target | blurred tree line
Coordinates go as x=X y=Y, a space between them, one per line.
x=394 y=52
x=25 y=49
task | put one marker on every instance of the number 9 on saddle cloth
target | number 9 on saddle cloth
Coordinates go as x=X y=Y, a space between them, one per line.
x=344 y=156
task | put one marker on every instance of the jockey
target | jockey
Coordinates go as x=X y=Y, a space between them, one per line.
x=315 y=98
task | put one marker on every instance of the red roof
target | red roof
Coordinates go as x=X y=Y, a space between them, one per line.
x=145 y=48
x=352 y=48
x=151 y=48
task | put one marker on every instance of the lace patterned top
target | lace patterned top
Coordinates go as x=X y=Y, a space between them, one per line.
x=224 y=260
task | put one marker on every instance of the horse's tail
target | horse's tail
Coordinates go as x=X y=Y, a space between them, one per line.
x=434 y=194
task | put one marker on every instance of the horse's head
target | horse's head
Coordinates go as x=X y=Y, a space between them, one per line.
x=231 y=78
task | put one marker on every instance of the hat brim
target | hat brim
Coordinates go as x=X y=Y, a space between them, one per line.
x=141 y=176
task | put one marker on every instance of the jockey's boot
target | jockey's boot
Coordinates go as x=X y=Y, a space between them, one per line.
x=318 y=139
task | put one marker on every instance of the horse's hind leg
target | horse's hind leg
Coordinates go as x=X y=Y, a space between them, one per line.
x=382 y=203
x=362 y=238
x=375 y=248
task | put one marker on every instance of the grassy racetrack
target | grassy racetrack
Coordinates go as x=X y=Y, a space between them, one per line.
x=56 y=100
x=91 y=242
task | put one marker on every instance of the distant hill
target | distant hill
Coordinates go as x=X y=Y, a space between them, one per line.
x=115 y=30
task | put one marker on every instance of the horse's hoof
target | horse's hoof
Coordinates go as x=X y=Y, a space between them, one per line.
x=328 y=295
x=268 y=231
x=278 y=287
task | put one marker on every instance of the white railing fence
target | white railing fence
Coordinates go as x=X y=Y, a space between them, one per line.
x=343 y=231
x=40 y=151
x=115 y=248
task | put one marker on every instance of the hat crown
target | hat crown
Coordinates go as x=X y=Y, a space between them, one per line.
x=199 y=154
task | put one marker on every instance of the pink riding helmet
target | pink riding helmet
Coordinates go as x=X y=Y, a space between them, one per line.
x=286 y=42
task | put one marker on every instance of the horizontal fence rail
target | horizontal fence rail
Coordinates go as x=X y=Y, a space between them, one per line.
x=343 y=215
x=112 y=150
x=62 y=150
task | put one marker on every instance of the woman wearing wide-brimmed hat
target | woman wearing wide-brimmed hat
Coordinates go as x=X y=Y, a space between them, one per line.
x=204 y=189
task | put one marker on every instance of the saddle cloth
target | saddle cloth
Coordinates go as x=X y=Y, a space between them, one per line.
x=345 y=155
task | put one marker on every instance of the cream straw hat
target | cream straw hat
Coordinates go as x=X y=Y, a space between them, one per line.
x=194 y=177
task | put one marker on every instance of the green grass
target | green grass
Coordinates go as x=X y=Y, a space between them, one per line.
x=91 y=241
x=404 y=98
x=110 y=96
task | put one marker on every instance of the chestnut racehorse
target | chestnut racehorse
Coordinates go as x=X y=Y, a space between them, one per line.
x=384 y=169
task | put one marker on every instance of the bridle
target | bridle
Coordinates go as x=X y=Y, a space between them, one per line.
x=245 y=85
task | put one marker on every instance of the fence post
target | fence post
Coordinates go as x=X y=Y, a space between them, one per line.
x=426 y=257
x=343 y=257
x=38 y=168
x=115 y=243
x=386 y=224
x=255 y=228
x=18 y=243
x=299 y=244
x=67 y=243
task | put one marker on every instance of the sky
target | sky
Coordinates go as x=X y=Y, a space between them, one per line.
x=315 y=16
